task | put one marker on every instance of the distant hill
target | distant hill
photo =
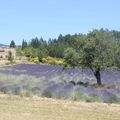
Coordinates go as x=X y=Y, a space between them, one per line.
x=2 y=45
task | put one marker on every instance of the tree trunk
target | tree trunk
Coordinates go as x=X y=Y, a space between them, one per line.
x=98 y=76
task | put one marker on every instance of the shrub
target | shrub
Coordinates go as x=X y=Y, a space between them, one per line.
x=33 y=59
x=25 y=93
x=30 y=59
x=61 y=95
x=10 y=56
x=36 y=90
x=112 y=99
x=76 y=96
x=44 y=60
x=108 y=97
x=36 y=60
x=93 y=98
x=53 y=61
x=46 y=93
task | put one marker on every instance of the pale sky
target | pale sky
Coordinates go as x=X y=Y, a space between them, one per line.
x=48 y=18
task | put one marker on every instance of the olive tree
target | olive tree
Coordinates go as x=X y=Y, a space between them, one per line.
x=98 y=52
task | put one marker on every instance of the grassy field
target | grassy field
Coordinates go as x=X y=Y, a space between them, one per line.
x=35 y=108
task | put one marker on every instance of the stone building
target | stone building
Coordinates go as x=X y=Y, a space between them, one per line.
x=4 y=52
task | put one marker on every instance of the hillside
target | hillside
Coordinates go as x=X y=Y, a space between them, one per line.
x=34 y=108
x=2 y=45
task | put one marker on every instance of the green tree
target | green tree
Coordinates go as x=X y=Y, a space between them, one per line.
x=117 y=56
x=35 y=43
x=10 y=57
x=31 y=52
x=56 y=50
x=42 y=53
x=24 y=44
x=98 y=52
x=12 y=44
x=71 y=57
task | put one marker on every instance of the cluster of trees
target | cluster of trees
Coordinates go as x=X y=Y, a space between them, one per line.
x=97 y=50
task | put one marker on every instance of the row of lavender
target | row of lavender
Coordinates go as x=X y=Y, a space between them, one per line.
x=56 y=82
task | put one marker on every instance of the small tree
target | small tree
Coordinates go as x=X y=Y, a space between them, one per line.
x=12 y=44
x=71 y=57
x=10 y=57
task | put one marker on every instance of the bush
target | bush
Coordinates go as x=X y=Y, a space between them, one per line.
x=44 y=60
x=10 y=63
x=30 y=59
x=61 y=95
x=25 y=93
x=36 y=90
x=77 y=96
x=53 y=61
x=113 y=100
x=10 y=56
x=47 y=93
x=36 y=60
x=108 y=97
x=93 y=98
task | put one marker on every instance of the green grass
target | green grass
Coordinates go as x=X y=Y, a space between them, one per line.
x=35 y=108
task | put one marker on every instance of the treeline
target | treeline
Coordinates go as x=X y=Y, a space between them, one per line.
x=52 y=47
x=55 y=47
x=38 y=47
x=97 y=50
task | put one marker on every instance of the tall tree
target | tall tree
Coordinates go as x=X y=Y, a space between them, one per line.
x=35 y=43
x=24 y=44
x=12 y=44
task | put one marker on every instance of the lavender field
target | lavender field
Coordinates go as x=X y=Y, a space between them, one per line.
x=56 y=82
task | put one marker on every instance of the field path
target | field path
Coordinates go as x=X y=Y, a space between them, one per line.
x=35 y=108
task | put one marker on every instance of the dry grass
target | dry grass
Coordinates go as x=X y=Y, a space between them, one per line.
x=16 y=108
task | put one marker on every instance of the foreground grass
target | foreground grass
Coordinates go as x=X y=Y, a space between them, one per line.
x=17 y=108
